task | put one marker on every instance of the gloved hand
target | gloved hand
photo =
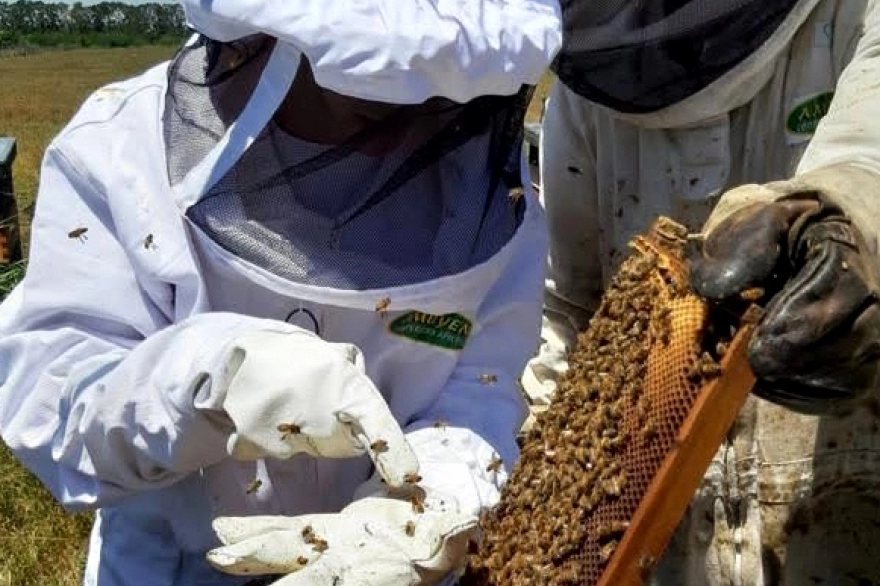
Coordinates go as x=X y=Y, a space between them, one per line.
x=374 y=541
x=287 y=393
x=817 y=348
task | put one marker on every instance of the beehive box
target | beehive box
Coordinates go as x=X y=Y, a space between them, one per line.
x=608 y=470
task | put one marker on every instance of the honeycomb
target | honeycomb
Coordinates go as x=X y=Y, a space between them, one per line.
x=607 y=464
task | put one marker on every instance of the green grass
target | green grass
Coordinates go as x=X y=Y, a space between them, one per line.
x=9 y=276
x=40 y=544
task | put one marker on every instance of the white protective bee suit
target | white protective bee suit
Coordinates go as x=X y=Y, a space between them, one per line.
x=790 y=499
x=137 y=355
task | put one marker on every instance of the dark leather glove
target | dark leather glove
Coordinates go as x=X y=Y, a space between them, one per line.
x=817 y=348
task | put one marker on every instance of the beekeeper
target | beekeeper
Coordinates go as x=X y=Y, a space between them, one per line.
x=297 y=252
x=764 y=117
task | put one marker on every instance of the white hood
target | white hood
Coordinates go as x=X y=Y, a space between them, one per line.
x=400 y=52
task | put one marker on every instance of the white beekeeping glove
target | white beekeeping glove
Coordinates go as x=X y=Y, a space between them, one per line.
x=374 y=541
x=287 y=393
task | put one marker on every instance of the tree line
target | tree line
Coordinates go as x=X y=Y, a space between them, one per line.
x=53 y=24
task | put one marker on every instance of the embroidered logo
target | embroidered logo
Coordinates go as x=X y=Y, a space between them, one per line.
x=805 y=116
x=450 y=331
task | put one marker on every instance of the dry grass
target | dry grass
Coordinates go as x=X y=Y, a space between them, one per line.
x=541 y=92
x=40 y=92
x=41 y=545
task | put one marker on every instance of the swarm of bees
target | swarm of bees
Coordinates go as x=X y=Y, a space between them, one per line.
x=581 y=473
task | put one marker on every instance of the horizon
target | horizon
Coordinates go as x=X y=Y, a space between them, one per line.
x=93 y=2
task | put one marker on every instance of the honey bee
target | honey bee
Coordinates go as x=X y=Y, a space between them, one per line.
x=612 y=528
x=149 y=242
x=614 y=486
x=320 y=545
x=646 y=564
x=289 y=429
x=308 y=534
x=488 y=379
x=302 y=560
x=379 y=446
x=708 y=367
x=78 y=234
x=752 y=315
x=495 y=464
x=410 y=528
x=752 y=294
x=693 y=373
x=649 y=431
x=418 y=503
x=412 y=478
x=382 y=306
x=254 y=486
x=607 y=551
x=515 y=194
x=441 y=424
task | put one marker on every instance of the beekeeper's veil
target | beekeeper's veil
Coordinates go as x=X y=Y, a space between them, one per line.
x=467 y=65
x=640 y=56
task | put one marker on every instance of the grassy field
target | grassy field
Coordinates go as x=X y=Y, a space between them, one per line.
x=40 y=92
x=41 y=545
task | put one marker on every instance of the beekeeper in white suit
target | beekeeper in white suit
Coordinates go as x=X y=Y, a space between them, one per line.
x=297 y=250
x=763 y=115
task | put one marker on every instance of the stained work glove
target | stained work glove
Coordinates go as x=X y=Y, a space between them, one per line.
x=287 y=393
x=817 y=348
x=374 y=541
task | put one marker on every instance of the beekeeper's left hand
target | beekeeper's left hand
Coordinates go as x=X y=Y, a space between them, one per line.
x=375 y=541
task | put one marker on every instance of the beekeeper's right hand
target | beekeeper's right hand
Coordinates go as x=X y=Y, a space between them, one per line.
x=287 y=393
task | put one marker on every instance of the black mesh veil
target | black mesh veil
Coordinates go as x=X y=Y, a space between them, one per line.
x=639 y=56
x=330 y=215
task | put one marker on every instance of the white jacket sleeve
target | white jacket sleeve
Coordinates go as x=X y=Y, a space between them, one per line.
x=401 y=52
x=476 y=419
x=843 y=158
x=99 y=363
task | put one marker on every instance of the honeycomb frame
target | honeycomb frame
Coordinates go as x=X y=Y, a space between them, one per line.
x=608 y=470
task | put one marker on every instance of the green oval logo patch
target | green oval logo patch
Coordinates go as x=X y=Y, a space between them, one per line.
x=805 y=117
x=449 y=331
